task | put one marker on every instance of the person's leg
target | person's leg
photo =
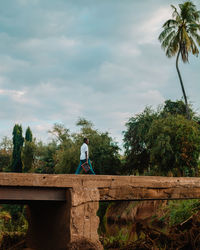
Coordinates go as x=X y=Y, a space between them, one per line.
x=78 y=168
x=91 y=169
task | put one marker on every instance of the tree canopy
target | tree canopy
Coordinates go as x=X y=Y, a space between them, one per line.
x=174 y=145
x=162 y=141
x=181 y=33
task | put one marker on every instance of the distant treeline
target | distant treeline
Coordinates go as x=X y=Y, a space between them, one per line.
x=156 y=142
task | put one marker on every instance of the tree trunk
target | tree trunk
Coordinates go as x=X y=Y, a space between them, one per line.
x=182 y=86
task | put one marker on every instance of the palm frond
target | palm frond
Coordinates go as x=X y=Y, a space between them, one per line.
x=184 y=54
x=189 y=12
x=175 y=43
x=194 y=48
x=170 y=23
x=186 y=39
x=165 y=33
x=195 y=36
x=173 y=46
x=167 y=40
x=193 y=27
x=197 y=15
x=175 y=13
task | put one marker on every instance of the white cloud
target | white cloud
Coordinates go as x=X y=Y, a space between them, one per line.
x=150 y=28
x=50 y=43
x=60 y=61
x=14 y=94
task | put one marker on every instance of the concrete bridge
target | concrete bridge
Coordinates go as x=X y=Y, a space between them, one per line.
x=62 y=208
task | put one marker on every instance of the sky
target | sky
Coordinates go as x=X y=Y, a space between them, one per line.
x=61 y=60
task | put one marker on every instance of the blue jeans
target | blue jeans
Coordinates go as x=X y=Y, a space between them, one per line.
x=91 y=171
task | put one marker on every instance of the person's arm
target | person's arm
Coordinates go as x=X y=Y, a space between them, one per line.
x=86 y=153
x=86 y=156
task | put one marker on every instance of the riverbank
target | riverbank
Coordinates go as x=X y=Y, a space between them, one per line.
x=152 y=224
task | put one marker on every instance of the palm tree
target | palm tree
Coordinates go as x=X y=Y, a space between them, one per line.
x=180 y=36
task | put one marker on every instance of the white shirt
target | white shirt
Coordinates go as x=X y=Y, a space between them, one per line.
x=84 y=148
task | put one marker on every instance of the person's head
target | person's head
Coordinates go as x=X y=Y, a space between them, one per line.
x=86 y=140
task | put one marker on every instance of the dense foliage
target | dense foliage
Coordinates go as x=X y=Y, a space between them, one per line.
x=174 y=145
x=6 y=148
x=28 y=135
x=163 y=142
x=103 y=150
x=135 y=141
x=28 y=151
x=18 y=141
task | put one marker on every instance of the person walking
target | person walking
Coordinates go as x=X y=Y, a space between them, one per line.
x=84 y=157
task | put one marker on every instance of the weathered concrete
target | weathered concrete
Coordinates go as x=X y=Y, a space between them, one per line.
x=110 y=187
x=82 y=210
x=62 y=208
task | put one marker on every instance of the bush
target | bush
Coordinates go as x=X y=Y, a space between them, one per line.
x=180 y=211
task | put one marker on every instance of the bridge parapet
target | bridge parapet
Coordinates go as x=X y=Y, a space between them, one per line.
x=110 y=187
x=62 y=208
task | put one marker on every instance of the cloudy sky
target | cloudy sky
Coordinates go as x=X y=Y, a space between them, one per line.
x=97 y=59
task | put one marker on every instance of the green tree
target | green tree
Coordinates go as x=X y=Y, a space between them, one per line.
x=180 y=36
x=28 y=135
x=174 y=145
x=175 y=108
x=5 y=160
x=61 y=133
x=162 y=141
x=135 y=141
x=18 y=141
x=44 y=160
x=103 y=150
x=6 y=144
x=66 y=155
x=178 y=107
x=28 y=151
x=6 y=149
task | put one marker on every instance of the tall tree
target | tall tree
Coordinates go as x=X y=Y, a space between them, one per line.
x=28 y=151
x=18 y=141
x=180 y=36
x=28 y=135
